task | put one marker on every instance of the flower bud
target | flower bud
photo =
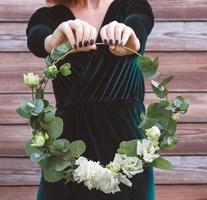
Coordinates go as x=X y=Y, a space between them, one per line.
x=153 y=133
x=31 y=80
x=114 y=167
x=39 y=139
x=52 y=70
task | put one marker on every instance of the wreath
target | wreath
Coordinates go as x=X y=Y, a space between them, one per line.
x=62 y=159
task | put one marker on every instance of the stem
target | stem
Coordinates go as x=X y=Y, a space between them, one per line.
x=32 y=94
x=98 y=44
x=45 y=84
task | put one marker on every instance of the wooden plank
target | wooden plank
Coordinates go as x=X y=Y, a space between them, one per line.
x=186 y=170
x=196 y=113
x=177 y=10
x=189 y=70
x=181 y=192
x=165 y=36
x=163 y=192
x=192 y=140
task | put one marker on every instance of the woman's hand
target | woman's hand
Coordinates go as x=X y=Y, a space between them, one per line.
x=78 y=33
x=116 y=34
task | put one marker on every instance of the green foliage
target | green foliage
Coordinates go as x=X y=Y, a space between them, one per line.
x=128 y=147
x=57 y=156
x=59 y=51
x=179 y=105
x=65 y=69
x=77 y=148
x=161 y=90
x=54 y=127
x=149 y=67
x=161 y=163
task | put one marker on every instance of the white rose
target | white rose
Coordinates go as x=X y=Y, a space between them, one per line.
x=130 y=165
x=31 y=80
x=95 y=176
x=147 y=149
x=153 y=134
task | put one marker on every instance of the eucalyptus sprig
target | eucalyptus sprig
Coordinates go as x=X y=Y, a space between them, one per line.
x=58 y=157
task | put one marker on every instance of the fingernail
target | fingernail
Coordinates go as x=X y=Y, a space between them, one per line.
x=85 y=43
x=80 y=44
x=111 y=42
x=75 y=46
x=106 y=41
x=116 y=42
x=91 y=42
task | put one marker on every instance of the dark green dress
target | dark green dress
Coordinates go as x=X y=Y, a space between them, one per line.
x=101 y=101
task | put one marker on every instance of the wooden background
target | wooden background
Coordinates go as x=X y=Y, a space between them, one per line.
x=179 y=38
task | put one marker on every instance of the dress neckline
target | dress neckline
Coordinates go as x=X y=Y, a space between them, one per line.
x=104 y=22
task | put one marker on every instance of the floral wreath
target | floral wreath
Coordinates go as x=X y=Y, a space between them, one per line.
x=61 y=159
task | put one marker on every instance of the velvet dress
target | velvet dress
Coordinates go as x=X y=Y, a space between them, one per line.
x=101 y=101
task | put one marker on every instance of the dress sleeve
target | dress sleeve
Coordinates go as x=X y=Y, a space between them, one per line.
x=140 y=17
x=38 y=28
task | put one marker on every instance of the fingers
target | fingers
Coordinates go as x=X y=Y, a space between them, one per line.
x=127 y=32
x=116 y=33
x=69 y=33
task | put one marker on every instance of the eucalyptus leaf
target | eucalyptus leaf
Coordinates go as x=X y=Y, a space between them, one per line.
x=162 y=163
x=22 y=113
x=149 y=67
x=77 y=148
x=50 y=174
x=128 y=147
x=54 y=127
x=39 y=105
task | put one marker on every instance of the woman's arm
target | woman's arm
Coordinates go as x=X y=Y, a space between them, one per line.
x=42 y=37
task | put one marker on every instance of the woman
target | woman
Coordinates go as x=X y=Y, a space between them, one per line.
x=101 y=101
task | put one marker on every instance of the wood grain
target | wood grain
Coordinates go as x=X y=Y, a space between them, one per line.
x=186 y=170
x=165 y=36
x=189 y=70
x=169 y=10
x=192 y=140
x=196 y=113
x=163 y=192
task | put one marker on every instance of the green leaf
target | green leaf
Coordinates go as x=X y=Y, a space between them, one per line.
x=64 y=47
x=59 y=51
x=165 y=81
x=149 y=67
x=77 y=148
x=22 y=113
x=29 y=150
x=162 y=163
x=49 y=116
x=65 y=69
x=50 y=174
x=39 y=105
x=128 y=147
x=168 y=142
x=54 y=127
x=61 y=145
x=61 y=165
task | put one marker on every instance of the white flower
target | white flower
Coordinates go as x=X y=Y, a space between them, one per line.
x=130 y=165
x=147 y=149
x=95 y=176
x=31 y=80
x=153 y=134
